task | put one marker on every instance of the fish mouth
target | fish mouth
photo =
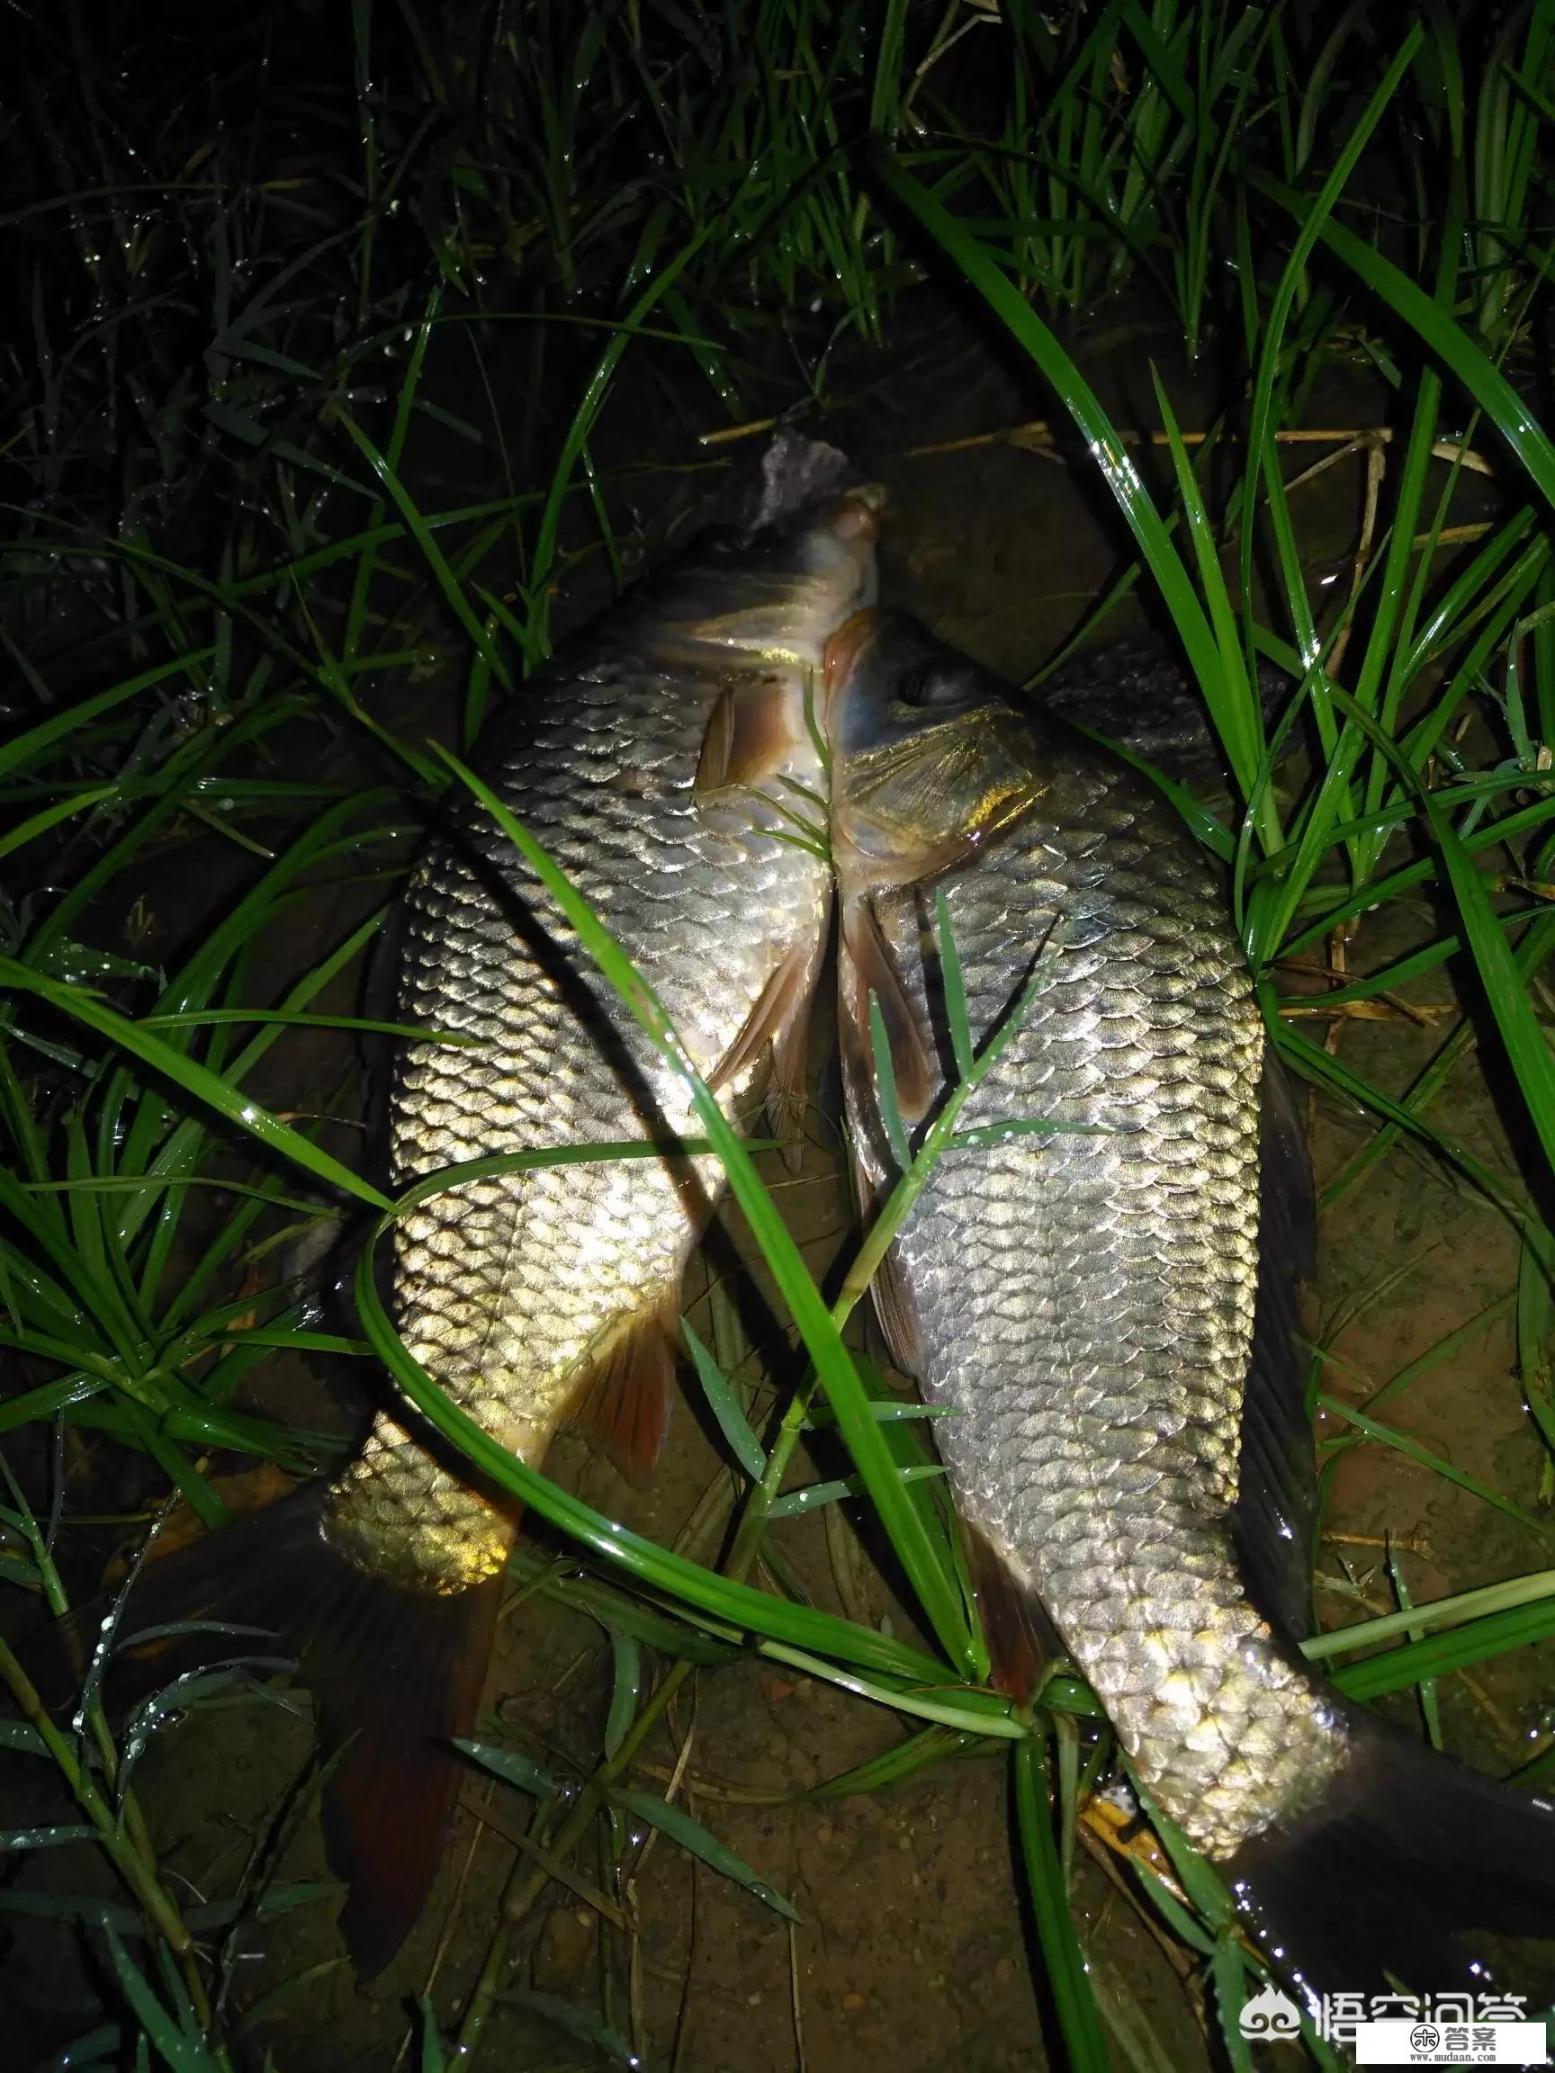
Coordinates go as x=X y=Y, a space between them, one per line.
x=856 y=516
x=842 y=651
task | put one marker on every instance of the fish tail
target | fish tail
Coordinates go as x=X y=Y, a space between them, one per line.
x=1399 y=1870
x=396 y=1676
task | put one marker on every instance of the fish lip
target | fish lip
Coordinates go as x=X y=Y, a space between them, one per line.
x=842 y=651
x=856 y=514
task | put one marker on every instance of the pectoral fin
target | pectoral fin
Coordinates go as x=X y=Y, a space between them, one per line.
x=897 y=1318
x=867 y=971
x=780 y=1017
x=788 y=1095
x=748 y=737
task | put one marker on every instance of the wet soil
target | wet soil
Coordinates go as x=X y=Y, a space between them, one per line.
x=911 y=1948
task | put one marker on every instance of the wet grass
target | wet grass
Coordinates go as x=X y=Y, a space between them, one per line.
x=231 y=536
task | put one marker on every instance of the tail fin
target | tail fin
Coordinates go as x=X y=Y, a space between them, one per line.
x=401 y=1676
x=396 y=1675
x=1400 y=1870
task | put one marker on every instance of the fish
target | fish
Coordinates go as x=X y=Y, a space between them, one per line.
x=1110 y=1305
x=666 y=760
x=1143 y=698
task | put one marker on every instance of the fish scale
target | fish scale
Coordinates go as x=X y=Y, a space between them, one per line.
x=1085 y=1302
x=506 y=1289
x=656 y=759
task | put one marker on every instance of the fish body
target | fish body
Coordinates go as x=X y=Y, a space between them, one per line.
x=1145 y=699
x=667 y=764
x=1110 y=1309
x=1085 y=1301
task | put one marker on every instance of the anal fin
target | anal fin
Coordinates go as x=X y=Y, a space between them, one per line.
x=780 y=1017
x=623 y=1402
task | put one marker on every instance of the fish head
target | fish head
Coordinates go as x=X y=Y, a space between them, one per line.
x=932 y=755
x=771 y=595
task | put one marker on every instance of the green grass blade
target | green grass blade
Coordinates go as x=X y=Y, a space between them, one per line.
x=1112 y=456
x=184 y=2051
x=930 y=1745
x=625 y=1690
x=1437 y=1612
x=1315 y=217
x=982 y=1713
x=741 y=1606
x=1476 y=1641
x=685 y=1829
x=194 y=1079
x=812 y=1497
x=1237 y=714
x=1507 y=411
x=1405 y=1443
x=732 y=1422
x=1228 y=1974
x=1312 y=1062
x=1527 y=1043
x=956 y=1017
x=447 y=582
x=24 y=749
x=1079 y=2019
x=583 y=2025
x=37 y=824
x=511 y=1766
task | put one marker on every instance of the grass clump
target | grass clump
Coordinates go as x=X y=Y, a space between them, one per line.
x=254 y=530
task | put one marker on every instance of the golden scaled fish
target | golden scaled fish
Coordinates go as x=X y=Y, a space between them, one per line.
x=668 y=762
x=668 y=765
x=1112 y=1310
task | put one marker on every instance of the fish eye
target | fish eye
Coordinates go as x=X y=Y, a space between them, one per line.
x=932 y=684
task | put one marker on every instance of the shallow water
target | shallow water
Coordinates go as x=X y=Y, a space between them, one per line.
x=912 y=1948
